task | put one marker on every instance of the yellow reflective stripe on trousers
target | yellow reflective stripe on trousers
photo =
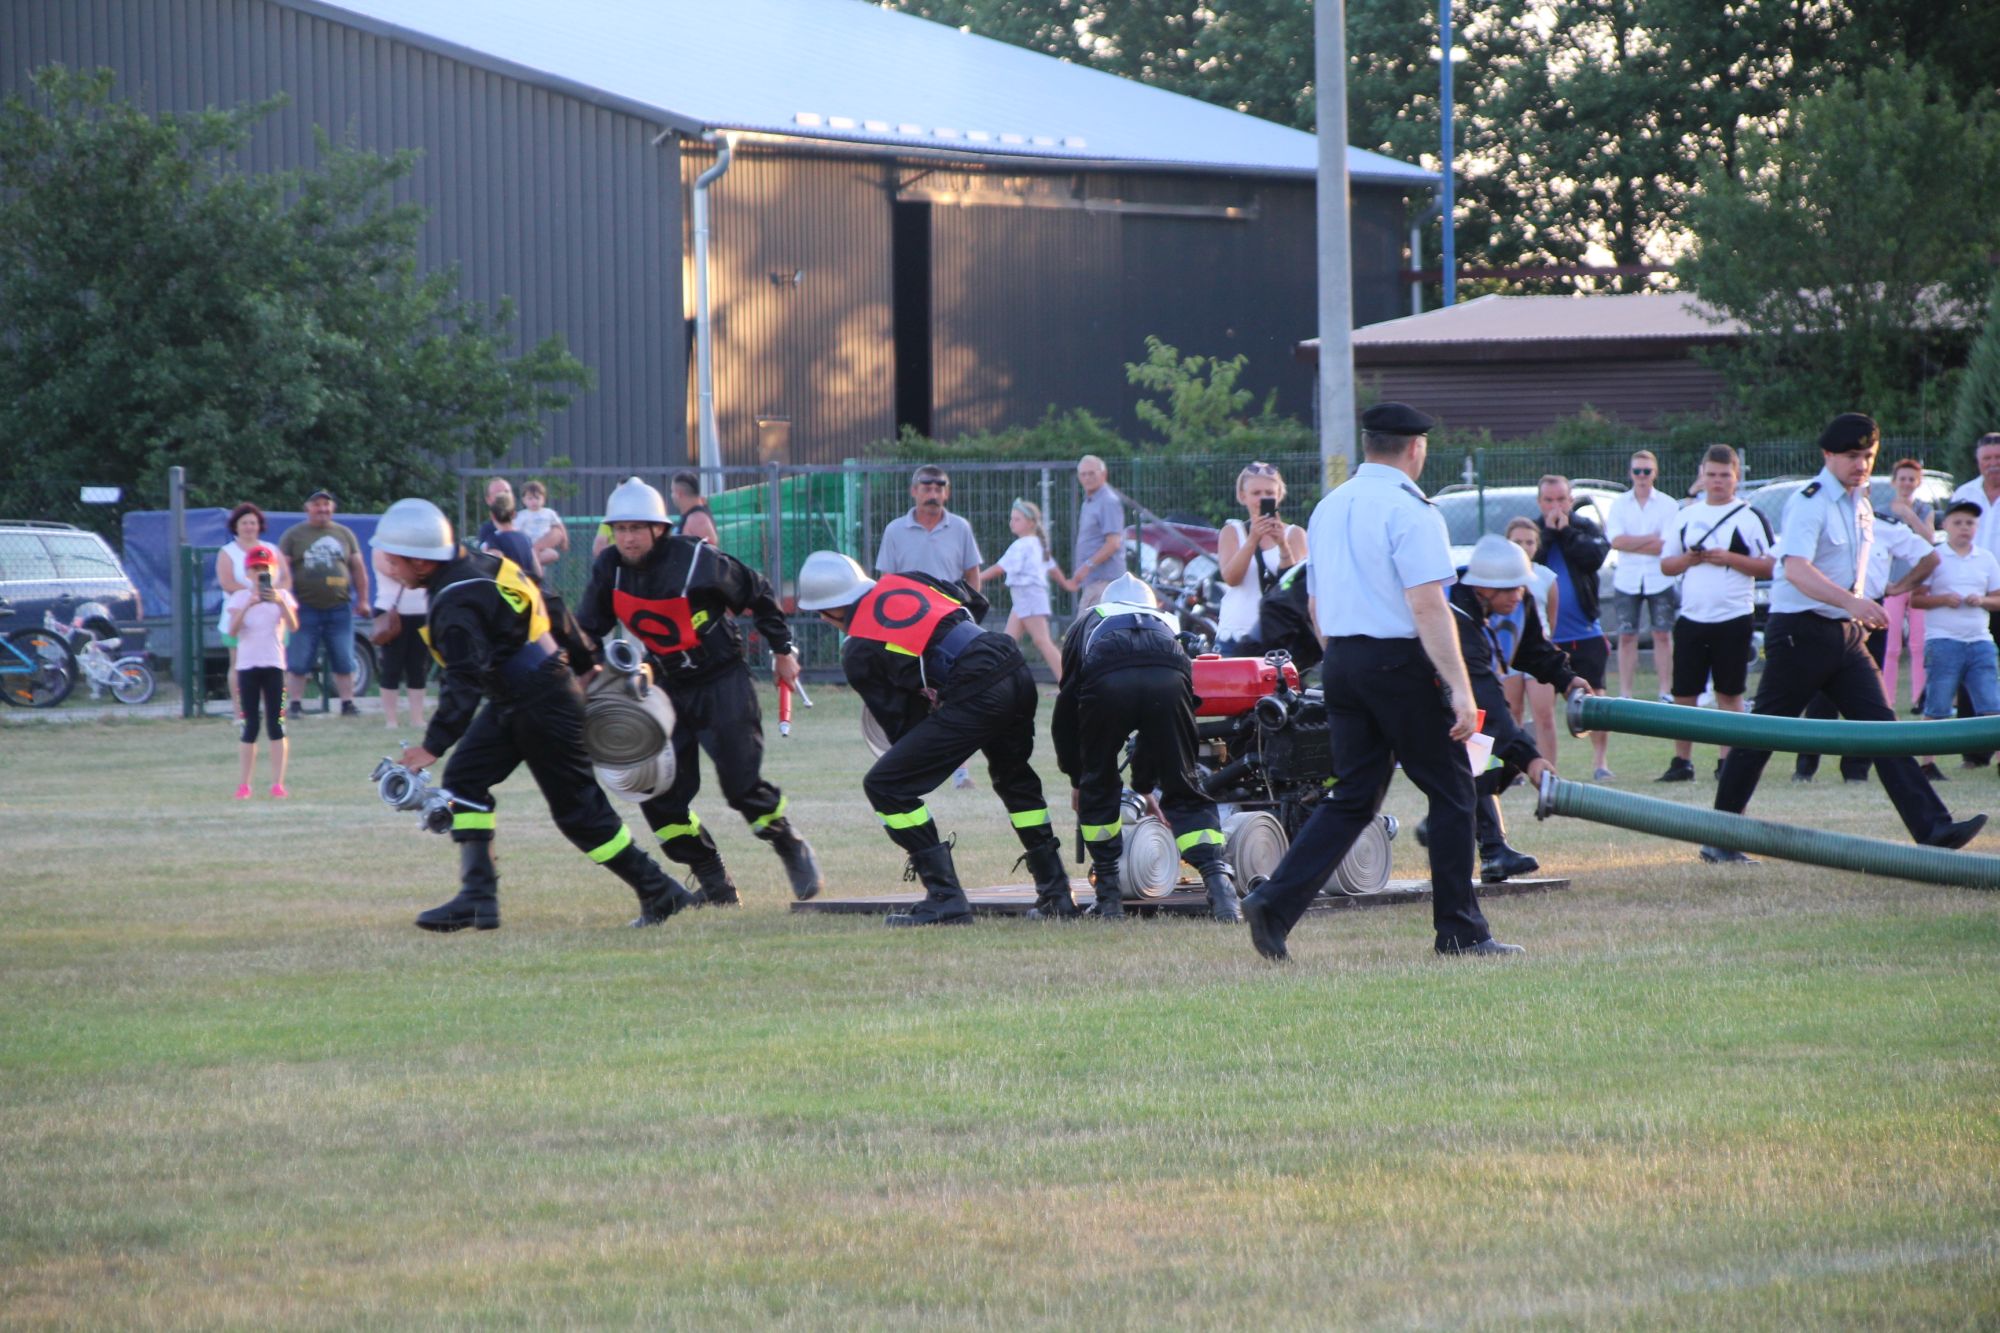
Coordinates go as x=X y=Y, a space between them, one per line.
x=612 y=848
x=765 y=821
x=1098 y=832
x=1196 y=838
x=666 y=832
x=1030 y=818
x=919 y=816
x=472 y=819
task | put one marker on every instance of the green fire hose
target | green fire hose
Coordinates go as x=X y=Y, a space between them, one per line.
x=1717 y=828
x=1799 y=735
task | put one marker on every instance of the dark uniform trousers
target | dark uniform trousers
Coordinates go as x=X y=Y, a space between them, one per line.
x=720 y=716
x=1149 y=703
x=1805 y=655
x=997 y=719
x=1384 y=703
x=539 y=723
x=1821 y=708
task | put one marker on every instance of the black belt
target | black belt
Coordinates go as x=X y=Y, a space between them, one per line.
x=943 y=655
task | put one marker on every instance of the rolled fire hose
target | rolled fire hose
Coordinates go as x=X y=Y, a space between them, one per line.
x=1365 y=868
x=1718 y=828
x=1797 y=735
x=1151 y=864
x=628 y=725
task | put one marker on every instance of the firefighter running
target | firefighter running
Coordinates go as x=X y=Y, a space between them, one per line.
x=1123 y=671
x=490 y=632
x=678 y=598
x=942 y=688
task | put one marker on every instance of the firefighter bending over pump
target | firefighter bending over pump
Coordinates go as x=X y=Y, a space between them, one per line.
x=942 y=688
x=678 y=598
x=1124 y=672
x=490 y=632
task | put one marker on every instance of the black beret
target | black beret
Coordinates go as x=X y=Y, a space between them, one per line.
x=1395 y=419
x=1847 y=432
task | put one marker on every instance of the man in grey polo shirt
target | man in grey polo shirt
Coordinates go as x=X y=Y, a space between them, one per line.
x=930 y=539
x=1100 y=534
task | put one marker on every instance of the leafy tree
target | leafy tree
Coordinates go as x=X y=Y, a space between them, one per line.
x=1977 y=408
x=1855 y=244
x=271 y=333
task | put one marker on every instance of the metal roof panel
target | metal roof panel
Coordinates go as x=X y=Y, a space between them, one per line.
x=845 y=70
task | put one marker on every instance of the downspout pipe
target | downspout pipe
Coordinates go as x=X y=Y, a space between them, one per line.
x=1785 y=842
x=704 y=360
x=1797 y=735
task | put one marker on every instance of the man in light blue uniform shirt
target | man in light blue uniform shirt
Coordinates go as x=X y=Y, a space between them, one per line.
x=1815 y=639
x=1396 y=688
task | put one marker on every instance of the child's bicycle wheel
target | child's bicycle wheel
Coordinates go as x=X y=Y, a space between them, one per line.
x=37 y=669
x=134 y=683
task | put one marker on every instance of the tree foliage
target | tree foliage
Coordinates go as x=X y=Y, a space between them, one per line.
x=160 y=306
x=1977 y=408
x=1857 y=243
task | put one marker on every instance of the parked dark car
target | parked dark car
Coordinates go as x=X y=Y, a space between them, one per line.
x=54 y=567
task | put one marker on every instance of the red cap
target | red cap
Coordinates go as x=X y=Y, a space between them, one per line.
x=259 y=555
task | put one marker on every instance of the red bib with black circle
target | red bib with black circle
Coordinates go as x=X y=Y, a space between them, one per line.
x=901 y=613
x=664 y=624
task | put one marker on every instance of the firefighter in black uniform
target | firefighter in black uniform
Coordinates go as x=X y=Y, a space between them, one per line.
x=490 y=633
x=1493 y=584
x=1124 y=671
x=942 y=688
x=678 y=597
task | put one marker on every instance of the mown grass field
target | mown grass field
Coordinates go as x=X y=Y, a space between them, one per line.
x=238 y=1089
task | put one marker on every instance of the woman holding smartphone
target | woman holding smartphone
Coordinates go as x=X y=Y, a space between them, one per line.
x=1255 y=551
x=260 y=616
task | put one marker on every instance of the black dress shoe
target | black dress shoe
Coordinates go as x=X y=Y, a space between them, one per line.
x=1726 y=856
x=1486 y=948
x=1801 y=777
x=1679 y=770
x=1423 y=832
x=1265 y=934
x=1505 y=864
x=1954 y=836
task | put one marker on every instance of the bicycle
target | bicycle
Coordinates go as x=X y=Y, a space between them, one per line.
x=37 y=669
x=92 y=639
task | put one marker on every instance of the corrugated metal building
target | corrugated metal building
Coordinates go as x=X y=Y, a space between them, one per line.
x=1515 y=365
x=918 y=226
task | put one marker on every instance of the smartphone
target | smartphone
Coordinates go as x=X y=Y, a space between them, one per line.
x=264 y=580
x=1268 y=506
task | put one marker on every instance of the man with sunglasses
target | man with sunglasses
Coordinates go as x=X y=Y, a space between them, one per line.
x=1637 y=526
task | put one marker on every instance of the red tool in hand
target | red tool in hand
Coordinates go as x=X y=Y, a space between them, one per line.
x=784 y=709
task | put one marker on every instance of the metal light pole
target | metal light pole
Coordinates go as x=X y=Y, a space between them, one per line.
x=1336 y=301
x=1449 y=261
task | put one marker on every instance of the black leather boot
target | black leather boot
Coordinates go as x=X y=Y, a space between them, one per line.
x=714 y=888
x=660 y=894
x=945 y=903
x=477 y=906
x=1110 y=897
x=1053 y=899
x=1497 y=861
x=1219 y=878
x=801 y=866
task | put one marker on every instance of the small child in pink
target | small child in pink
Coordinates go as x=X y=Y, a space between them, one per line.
x=261 y=616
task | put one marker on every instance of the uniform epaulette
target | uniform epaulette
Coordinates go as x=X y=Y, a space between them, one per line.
x=1812 y=488
x=1412 y=490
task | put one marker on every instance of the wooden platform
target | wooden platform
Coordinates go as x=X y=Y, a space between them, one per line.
x=1189 y=900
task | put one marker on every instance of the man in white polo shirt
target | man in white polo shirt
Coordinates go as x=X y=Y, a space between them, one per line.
x=1637 y=526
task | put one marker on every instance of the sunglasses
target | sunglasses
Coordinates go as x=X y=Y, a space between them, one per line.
x=1642 y=472
x=934 y=481
x=1260 y=470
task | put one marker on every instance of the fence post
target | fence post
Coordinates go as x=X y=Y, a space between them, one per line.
x=1045 y=504
x=177 y=578
x=1478 y=462
x=774 y=556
